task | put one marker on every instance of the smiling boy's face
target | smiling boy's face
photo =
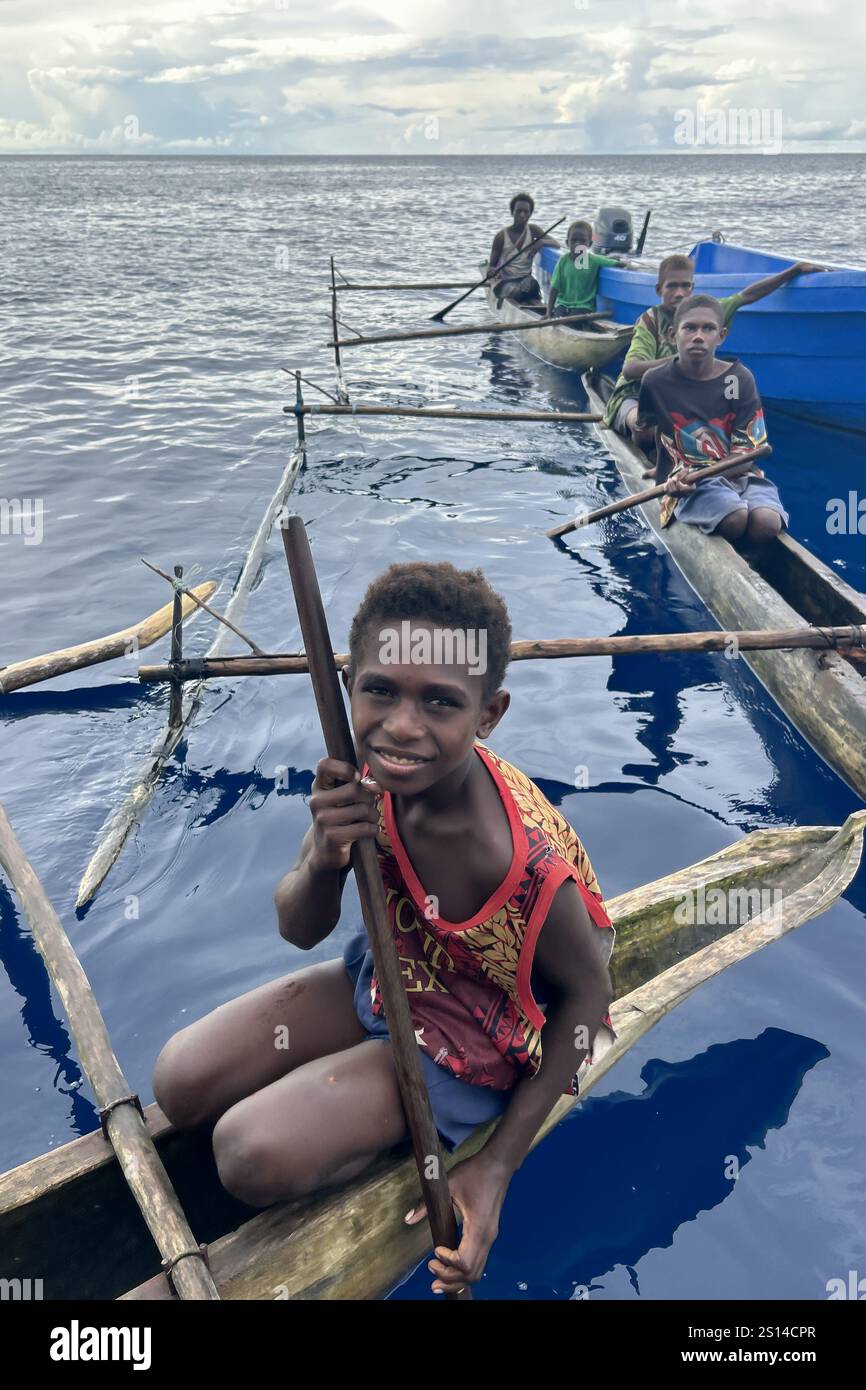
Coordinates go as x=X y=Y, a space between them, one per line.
x=415 y=723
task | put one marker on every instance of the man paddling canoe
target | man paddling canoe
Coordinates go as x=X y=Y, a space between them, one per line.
x=516 y=281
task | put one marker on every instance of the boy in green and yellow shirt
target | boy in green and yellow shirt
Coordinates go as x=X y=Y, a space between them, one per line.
x=653 y=340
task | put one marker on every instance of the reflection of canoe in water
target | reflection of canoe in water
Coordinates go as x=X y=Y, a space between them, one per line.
x=823 y=693
x=68 y=1214
x=571 y=348
x=679 y=1147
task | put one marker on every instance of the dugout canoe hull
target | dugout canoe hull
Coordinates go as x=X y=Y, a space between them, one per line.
x=68 y=1218
x=822 y=693
x=570 y=349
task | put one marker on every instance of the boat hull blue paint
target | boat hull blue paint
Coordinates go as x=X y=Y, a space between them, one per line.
x=806 y=344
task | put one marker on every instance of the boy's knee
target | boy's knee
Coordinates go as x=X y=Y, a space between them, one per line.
x=733 y=526
x=764 y=524
x=180 y=1083
x=251 y=1168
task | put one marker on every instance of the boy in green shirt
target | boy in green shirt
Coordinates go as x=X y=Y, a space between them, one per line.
x=574 y=282
x=653 y=340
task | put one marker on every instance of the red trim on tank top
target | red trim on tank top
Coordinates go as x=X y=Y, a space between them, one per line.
x=550 y=888
x=501 y=895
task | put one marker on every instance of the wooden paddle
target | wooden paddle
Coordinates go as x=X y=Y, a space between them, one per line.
x=440 y=317
x=339 y=743
x=635 y=499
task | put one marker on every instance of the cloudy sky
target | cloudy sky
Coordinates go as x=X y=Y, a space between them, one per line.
x=427 y=76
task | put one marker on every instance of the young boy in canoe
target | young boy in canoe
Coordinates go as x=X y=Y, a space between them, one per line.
x=574 y=282
x=704 y=409
x=653 y=339
x=499 y=923
x=516 y=281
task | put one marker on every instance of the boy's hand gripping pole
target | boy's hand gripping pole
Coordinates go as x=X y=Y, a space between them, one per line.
x=338 y=741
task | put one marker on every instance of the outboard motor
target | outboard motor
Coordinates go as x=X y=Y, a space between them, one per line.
x=613 y=230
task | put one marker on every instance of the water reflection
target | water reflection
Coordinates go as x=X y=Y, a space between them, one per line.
x=648 y=1164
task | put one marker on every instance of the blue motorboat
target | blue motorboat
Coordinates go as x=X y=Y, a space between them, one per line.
x=806 y=344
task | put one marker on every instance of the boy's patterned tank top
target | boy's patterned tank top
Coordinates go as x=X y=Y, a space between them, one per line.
x=468 y=983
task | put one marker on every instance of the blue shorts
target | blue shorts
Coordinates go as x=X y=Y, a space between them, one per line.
x=458 y=1108
x=716 y=498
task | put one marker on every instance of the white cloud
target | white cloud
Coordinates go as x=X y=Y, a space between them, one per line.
x=334 y=76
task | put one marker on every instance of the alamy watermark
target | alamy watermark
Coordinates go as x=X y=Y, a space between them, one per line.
x=853 y=1288
x=757 y=128
x=20 y=1290
x=847 y=516
x=22 y=516
x=439 y=646
x=728 y=907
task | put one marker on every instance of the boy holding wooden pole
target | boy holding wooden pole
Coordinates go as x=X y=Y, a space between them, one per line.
x=499 y=922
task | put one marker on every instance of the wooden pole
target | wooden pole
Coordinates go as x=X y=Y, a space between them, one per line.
x=439 y=412
x=124 y=643
x=119 y=1109
x=635 y=499
x=175 y=705
x=408 y=285
x=461 y=331
x=128 y=814
x=550 y=649
x=341 y=385
x=440 y=317
x=299 y=410
x=220 y=617
x=338 y=741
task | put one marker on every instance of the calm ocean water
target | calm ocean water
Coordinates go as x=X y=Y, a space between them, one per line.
x=149 y=308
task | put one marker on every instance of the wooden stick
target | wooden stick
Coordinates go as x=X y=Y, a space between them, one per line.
x=635 y=499
x=120 y=823
x=408 y=285
x=461 y=331
x=300 y=410
x=338 y=366
x=404 y=1046
x=123 y=643
x=175 y=702
x=536 y=241
x=220 y=617
x=122 y=1118
x=549 y=649
x=439 y=412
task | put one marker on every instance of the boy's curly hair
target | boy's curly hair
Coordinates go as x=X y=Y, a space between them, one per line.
x=698 y=301
x=522 y=198
x=444 y=596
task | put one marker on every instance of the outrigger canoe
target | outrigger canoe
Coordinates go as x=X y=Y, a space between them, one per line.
x=570 y=348
x=69 y=1217
x=823 y=693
